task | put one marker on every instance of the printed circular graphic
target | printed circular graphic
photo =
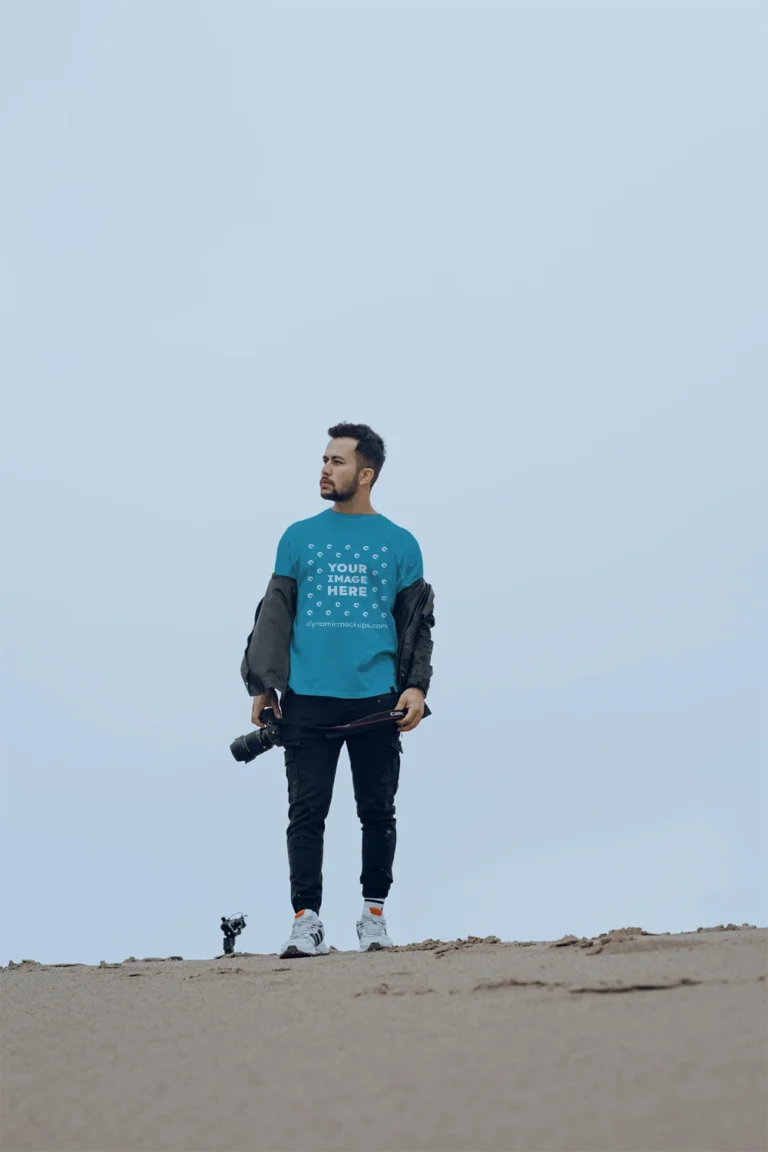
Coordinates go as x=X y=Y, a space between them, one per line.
x=338 y=604
x=327 y=611
x=366 y=548
x=311 y=562
x=309 y=613
x=383 y=549
x=365 y=613
x=346 y=613
x=375 y=605
x=375 y=555
x=319 y=603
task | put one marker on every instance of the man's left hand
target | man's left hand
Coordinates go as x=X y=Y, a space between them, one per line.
x=412 y=700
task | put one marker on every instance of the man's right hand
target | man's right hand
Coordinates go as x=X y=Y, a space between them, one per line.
x=267 y=699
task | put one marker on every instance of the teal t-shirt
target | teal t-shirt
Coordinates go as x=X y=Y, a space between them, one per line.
x=348 y=570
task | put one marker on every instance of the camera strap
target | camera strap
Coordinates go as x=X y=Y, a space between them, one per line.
x=364 y=724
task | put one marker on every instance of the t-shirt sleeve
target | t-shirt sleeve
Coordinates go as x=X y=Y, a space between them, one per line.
x=285 y=564
x=411 y=564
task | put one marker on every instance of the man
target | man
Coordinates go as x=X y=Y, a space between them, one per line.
x=343 y=633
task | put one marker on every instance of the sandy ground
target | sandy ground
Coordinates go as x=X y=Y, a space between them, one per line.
x=628 y=1043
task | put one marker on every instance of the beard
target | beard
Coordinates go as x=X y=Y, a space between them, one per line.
x=340 y=495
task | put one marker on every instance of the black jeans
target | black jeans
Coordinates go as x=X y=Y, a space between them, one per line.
x=310 y=762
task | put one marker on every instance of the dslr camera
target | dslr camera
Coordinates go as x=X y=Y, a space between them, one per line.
x=253 y=744
x=231 y=926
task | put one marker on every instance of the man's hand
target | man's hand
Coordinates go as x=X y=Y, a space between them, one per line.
x=413 y=700
x=267 y=699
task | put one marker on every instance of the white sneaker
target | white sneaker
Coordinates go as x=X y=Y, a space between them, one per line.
x=307 y=937
x=372 y=932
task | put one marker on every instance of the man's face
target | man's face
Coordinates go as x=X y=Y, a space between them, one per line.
x=340 y=477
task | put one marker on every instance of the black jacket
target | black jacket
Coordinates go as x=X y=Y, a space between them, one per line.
x=267 y=659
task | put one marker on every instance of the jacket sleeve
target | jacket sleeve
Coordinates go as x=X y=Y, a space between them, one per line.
x=267 y=660
x=420 y=674
x=414 y=619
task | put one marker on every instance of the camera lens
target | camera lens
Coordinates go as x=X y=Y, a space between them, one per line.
x=248 y=747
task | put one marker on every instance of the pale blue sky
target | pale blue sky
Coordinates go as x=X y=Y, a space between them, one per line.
x=527 y=243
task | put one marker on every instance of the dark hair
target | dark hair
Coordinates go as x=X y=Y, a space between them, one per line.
x=371 y=450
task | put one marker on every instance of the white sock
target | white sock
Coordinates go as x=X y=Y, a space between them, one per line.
x=374 y=907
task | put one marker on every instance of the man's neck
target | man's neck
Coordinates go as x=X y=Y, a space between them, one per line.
x=356 y=507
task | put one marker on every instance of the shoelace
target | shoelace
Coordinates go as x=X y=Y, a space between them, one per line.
x=374 y=926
